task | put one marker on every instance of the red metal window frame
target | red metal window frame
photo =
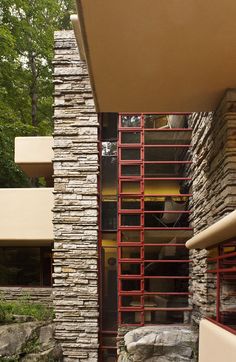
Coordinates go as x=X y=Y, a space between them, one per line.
x=140 y=179
x=221 y=273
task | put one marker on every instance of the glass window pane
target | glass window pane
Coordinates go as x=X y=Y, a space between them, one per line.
x=130 y=137
x=128 y=203
x=165 y=285
x=130 y=252
x=130 y=154
x=130 y=301
x=21 y=266
x=109 y=176
x=130 y=170
x=166 y=317
x=164 y=121
x=167 y=301
x=109 y=215
x=131 y=121
x=166 y=252
x=165 y=170
x=129 y=236
x=109 y=285
x=109 y=149
x=130 y=317
x=130 y=285
x=166 y=153
x=165 y=138
x=166 y=269
x=162 y=187
x=109 y=123
x=130 y=269
x=130 y=187
x=130 y=220
x=167 y=236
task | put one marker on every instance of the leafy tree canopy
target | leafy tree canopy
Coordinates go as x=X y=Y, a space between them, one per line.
x=26 y=53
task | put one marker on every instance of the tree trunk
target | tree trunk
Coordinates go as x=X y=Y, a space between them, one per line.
x=33 y=89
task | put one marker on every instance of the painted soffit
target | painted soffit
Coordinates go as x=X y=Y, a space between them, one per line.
x=158 y=55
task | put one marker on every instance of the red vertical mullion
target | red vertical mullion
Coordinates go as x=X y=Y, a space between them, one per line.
x=142 y=220
x=218 y=286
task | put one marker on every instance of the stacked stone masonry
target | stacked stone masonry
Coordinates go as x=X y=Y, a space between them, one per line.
x=76 y=204
x=34 y=295
x=213 y=187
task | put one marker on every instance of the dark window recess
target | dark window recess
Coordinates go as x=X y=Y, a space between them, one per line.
x=109 y=126
x=130 y=137
x=25 y=266
x=109 y=175
x=130 y=170
x=109 y=215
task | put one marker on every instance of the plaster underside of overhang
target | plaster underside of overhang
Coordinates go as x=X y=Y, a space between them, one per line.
x=159 y=55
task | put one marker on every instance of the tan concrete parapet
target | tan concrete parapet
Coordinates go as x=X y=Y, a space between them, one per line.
x=222 y=230
x=26 y=214
x=34 y=155
x=216 y=344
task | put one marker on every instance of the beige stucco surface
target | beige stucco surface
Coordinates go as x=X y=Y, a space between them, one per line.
x=26 y=214
x=34 y=155
x=159 y=55
x=222 y=230
x=216 y=344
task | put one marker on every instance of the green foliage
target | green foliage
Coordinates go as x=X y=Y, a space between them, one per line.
x=23 y=307
x=26 y=53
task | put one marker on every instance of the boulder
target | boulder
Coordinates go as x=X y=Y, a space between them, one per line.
x=160 y=343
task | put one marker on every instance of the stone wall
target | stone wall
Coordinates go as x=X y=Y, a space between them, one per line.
x=213 y=187
x=37 y=295
x=76 y=205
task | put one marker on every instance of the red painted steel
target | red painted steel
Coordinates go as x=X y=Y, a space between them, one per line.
x=139 y=196
x=220 y=272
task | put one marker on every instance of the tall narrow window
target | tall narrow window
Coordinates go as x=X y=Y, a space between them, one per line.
x=153 y=225
x=108 y=237
x=144 y=223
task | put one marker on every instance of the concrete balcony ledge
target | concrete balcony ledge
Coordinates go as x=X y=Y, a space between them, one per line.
x=216 y=344
x=26 y=214
x=34 y=155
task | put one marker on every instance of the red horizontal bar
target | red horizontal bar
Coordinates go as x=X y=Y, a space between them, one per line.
x=167 y=162
x=168 y=146
x=168 y=228
x=168 y=261
x=139 y=244
x=124 y=293
x=165 y=178
x=164 y=244
x=168 y=212
x=122 y=194
x=168 y=129
x=130 y=260
x=220 y=257
x=229 y=270
x=143 y=114
x=139 y=211
x=168 y=293
x=140 y=309
x=139 y=277
x=166 y=277
x=169 y=309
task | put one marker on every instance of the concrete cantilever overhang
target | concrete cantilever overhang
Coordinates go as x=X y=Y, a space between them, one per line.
x=222 y=230
x=158 y=55
x=34 y=155
x=26 y=214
